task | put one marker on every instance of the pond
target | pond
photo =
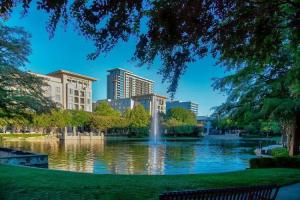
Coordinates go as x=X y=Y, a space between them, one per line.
x=205 y=155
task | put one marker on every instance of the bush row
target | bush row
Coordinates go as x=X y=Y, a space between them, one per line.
x=275 y=162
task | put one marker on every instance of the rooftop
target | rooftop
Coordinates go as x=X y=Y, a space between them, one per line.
x=72 y=74
x=182 y=102
x=131 y=73
x=148 y=95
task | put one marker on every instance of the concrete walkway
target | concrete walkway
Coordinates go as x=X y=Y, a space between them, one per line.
x=290 y=192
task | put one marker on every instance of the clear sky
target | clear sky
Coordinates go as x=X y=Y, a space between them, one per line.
x=68 y=50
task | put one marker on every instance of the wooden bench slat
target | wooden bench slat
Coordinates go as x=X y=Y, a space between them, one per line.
x=268 y=192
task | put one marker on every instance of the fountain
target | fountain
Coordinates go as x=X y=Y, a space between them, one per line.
x=155 y=132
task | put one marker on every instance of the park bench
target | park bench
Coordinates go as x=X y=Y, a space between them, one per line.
x=267 y=192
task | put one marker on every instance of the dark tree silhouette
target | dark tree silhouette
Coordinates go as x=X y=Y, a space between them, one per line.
x=177 y=31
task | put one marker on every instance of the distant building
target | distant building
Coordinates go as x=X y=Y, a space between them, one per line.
x=152 y=102
x=205 y=122
x=183 y=104
x=68 y=89
x=117 y=104
x=52 y=89
x=122 y=83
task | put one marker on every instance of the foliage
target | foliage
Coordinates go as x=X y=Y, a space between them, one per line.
x=103 y=123
x=20 y=92
x=181 y=122
x=138 y=119
x=3 y=122
x=79 y=117
x=250 y=127
x=25 y=183
x=180 y=32
x=182 y=115
x=104 y=109
x=23 y=135
x=279 y=152
x=276 y=162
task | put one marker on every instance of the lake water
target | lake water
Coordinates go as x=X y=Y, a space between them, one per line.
x=205 y=155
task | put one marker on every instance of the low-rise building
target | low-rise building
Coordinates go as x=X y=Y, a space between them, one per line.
x=117 y=104
x=206 y=123
x=68 y=89
x=152 y=102
x=188 y=105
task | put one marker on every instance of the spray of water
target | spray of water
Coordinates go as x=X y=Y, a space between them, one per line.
x=155 y=132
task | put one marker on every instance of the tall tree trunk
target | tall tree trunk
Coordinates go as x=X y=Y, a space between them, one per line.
x=295 y=137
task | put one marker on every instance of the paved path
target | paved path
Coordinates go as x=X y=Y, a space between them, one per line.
x=291 y=192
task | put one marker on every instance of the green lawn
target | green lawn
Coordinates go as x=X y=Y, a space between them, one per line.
x=29 y=183
x=21 y=135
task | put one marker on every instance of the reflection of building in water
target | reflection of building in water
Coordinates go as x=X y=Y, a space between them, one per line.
x=38 y=146
x=156 y=159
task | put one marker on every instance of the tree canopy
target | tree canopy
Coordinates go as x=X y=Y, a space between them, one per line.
x=20 y=92
x=138 y=120
x=182 y=115
x=178 y=32
x=104 y=109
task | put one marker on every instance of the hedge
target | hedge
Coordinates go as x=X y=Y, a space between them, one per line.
x=275 y=162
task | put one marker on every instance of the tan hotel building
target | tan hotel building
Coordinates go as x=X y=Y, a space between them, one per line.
x=69 y=90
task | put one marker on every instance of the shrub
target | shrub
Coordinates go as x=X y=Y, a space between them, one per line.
x=262 y=163
x=276 y=162
x=279 y=152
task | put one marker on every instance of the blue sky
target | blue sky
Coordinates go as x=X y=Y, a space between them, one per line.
x=68 y=50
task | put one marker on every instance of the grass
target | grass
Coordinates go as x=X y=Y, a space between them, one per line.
x=29 y=183
x=279 y=152
x=21 y=135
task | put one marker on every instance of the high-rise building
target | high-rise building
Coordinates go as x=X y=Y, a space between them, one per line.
x=69 y=90
x=122 y=83
x=183 y=104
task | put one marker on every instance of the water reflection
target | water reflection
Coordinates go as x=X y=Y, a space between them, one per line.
x=120 y=157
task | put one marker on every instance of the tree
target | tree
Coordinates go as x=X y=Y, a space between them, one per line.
x=180 y=121
x=138 y=119
x=103 y=123
x=20 y=92
x=104 y=109
x=182 y=115
x=79 y=117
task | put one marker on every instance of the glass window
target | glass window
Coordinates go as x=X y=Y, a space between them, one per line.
x=71 y=91
x=57 y=89
x=82 y=93
x=76 y=92
x=76 y=107
x=57 y=97
x=82 y=107
x=82 y=100
x=76 y=100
